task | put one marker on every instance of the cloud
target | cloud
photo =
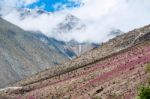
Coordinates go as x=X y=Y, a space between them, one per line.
x=17 y=3
x=99 y=16
x=102 y=15
x=28 y=2
x=6 y=6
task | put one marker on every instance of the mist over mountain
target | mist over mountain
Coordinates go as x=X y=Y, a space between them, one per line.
x=28 y=52
x=24 y=52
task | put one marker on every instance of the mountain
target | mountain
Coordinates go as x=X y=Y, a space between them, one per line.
x=59 y=45
x=69 y=24
x=114 y=70
x=27 y=52
x=23 y=54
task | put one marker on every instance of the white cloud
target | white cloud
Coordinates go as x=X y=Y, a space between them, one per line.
x=102 y=15
x=99 y=16
x=28 y=2
x=16 y=3
x=7 y=6
x=43 y=23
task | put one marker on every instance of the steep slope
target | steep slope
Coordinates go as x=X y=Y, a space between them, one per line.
x=112 y=71
x=58 y=45
x=22 y=54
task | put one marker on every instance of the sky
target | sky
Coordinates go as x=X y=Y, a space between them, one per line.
x=99 y=16
x=54 y=5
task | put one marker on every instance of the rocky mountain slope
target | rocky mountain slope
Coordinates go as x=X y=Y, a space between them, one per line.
x=112 y=71
x=22 y=54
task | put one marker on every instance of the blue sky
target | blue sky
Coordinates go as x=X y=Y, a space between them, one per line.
x=49 y=5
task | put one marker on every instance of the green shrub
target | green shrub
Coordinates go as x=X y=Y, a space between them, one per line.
x=144 y=93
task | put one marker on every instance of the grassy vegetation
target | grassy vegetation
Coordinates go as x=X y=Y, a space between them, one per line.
x=144 y=91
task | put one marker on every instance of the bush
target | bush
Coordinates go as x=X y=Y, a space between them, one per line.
x=144 y=93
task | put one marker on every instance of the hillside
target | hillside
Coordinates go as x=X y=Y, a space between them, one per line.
x=22 y=54
x=114 y=70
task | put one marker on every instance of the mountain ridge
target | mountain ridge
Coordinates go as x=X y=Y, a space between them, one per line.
x=118 y=61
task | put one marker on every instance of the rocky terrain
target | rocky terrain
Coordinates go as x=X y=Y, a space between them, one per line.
x=113 y=71
x=22 y=54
